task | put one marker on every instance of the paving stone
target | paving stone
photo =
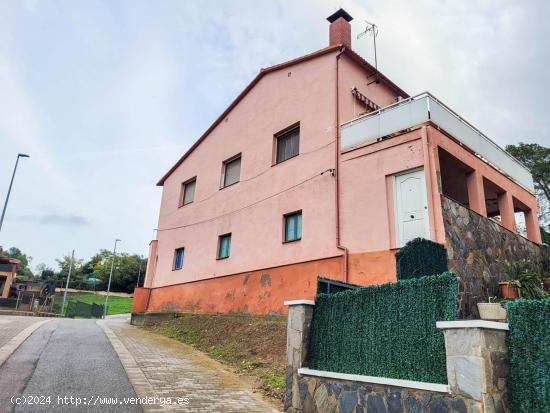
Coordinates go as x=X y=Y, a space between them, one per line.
x=173 y=369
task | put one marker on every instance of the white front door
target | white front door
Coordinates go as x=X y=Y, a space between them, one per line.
x=411 y=207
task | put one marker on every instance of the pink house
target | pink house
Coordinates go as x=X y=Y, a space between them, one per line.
x=320 y=167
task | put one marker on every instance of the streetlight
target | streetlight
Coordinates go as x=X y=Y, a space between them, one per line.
x=67 y=284
x=19 y=155
x=109 y=284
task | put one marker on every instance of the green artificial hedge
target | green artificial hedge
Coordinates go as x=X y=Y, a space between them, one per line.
x=420 y=257
x=529 y=355
x=387 y=330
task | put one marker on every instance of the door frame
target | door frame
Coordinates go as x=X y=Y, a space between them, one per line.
x=395 y=204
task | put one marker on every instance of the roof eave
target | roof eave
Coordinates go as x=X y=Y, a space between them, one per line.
x=354 y=56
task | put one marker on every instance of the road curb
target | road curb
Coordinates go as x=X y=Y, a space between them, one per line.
x=7 y=349
x=139 y=382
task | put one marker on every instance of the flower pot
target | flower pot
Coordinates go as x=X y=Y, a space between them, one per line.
x=546 y=283
x=508 y=291
x=491 y=311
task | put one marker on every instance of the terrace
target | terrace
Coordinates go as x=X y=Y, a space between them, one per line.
x=422 y=108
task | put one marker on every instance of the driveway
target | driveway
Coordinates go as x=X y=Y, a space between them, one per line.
x=63 y=365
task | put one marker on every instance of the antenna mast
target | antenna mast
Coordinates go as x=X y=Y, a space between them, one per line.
x=371 y=28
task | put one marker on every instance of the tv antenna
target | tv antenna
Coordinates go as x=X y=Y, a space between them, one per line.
x=371 y=29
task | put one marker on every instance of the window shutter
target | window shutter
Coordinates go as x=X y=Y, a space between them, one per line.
x=189 y=192
x=232 y=172
x=288 y=145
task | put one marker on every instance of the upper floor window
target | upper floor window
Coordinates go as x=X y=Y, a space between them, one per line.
x=188 y=191
x=293 y=226
x=287 y=144
x=224 y=246
x=178 y=258
x=231 y=173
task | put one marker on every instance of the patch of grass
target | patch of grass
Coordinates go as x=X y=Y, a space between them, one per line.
x=117 y=305
x=274 y=382
x=254 y=346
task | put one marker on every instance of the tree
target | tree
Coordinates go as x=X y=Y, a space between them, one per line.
x=78 y=279
x=44 y=272
x=125 y=271
x=537 y=159
x=23 y=269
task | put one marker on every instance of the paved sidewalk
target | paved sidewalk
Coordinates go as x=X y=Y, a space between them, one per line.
x=14 y=330
x=11 y=325
x=158 y=366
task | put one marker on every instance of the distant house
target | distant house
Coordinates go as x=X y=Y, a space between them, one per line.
x=8 y=270
x=322 y=166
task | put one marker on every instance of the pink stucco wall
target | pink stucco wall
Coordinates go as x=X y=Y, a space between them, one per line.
x=252 y=210
x=279 y=100
x=366 y=194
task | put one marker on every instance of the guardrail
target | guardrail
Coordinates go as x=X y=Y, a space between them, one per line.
x=425 y=107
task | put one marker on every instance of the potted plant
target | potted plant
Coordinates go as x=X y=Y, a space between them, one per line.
x=492 y=310
x=521 y=281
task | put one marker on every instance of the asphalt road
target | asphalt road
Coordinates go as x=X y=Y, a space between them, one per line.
x=64 y=359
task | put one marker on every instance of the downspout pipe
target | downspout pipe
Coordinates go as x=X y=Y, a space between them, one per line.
x=337 y=169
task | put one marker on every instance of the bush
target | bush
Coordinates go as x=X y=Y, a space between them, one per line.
x=529 y=355
x=420 y=257
x=387 y=330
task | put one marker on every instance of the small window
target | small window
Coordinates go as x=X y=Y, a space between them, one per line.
x=188 y=191
x=224 y=246
x=293 y=226
x=288 y=144
x=178 y=258
x=231 y=171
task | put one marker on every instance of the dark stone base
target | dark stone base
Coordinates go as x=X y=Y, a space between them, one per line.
x=321 y=395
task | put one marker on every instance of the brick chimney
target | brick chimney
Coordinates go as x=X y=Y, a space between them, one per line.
x=340 y=29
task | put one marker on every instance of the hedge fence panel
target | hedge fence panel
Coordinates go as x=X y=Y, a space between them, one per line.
x=387 y=330
x=529 y=355
x=420 y=257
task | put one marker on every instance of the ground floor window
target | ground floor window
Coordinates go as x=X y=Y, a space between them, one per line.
x=178 y=258
x=293 y=226
x=224 y=246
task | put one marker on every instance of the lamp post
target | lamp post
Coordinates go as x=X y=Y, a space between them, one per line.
x=19 y=155
x=67 y=284
x=110 y=277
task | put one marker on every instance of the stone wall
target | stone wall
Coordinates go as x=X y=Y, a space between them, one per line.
x=322 y=395
x=476 y=249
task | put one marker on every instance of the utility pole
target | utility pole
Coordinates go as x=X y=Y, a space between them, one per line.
x=139 y=273
x=19 y=155
x=110 y=277
x=67 y=284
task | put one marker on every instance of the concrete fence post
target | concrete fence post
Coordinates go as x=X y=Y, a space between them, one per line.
x=300 y=313
x=477 y=366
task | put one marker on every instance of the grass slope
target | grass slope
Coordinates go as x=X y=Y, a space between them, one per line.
x=253 y=345
x=117 y=305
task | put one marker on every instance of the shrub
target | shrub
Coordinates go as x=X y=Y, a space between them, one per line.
x=420 y=257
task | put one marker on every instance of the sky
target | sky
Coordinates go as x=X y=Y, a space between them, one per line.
x=105 y=96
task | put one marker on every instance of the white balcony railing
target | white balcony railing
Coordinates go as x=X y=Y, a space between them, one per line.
x=425 y=107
